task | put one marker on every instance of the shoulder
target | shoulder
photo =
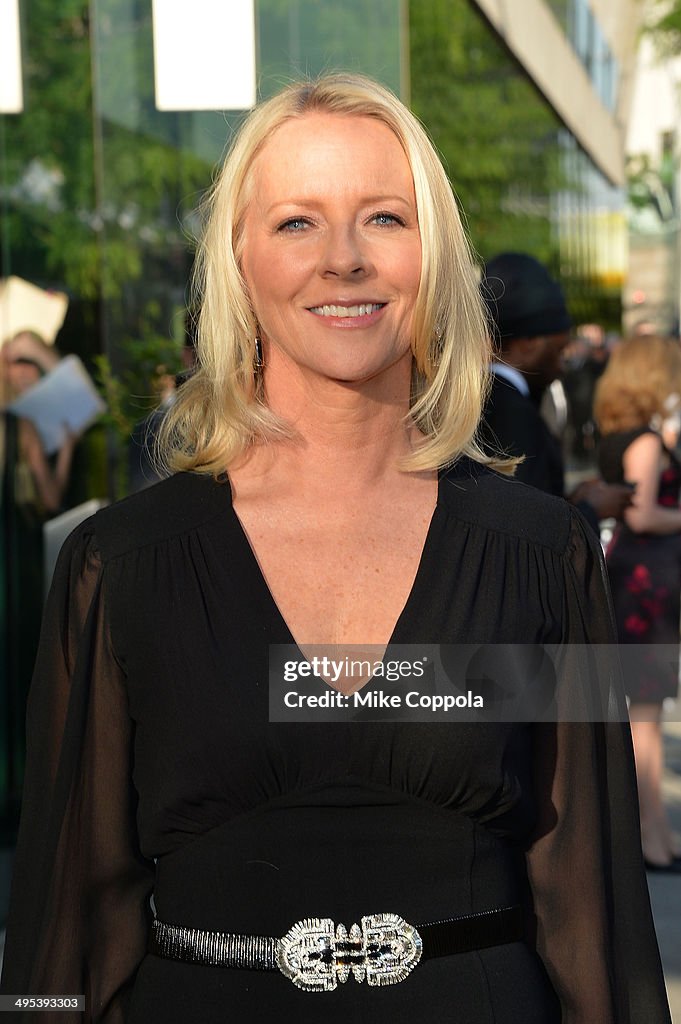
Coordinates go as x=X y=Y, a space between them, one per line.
x=645 y=444
x=503 y=394
x=623 y=438
x=503 y=504
x=647 y=437
x=177 y=505
x=513 y=418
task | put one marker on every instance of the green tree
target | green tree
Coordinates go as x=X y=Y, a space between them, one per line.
x=47 y=171
x=94 y=182
x=665 y=26
x=652 y=185
x=499 y=140
x=74 y=178
x=522 y=182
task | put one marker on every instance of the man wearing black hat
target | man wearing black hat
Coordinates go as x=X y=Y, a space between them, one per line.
x=532 y=327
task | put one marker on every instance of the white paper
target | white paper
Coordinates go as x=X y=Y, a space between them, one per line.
x=25 y=307
x=64 y=399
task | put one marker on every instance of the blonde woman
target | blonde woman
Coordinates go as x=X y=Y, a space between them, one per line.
x=644 y=558
x=331 y=493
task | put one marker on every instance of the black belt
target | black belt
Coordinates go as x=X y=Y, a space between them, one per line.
x=315 y=954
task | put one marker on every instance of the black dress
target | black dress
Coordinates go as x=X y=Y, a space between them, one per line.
x=153 y=766
x=645 y=578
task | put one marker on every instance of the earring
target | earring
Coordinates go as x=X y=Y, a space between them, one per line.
x=258 y=360
x=438 y=335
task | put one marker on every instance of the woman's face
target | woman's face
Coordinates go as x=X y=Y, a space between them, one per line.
x=331 y=248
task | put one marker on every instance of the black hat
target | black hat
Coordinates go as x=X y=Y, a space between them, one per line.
x=522 y=298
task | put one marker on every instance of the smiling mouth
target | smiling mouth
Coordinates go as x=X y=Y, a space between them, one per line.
x=365 y=309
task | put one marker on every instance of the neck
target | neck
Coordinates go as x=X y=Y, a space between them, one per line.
x=348 y=436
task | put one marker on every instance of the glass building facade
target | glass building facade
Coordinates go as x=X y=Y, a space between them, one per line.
x=99 y=190
x=523 y=181
x=583 y=30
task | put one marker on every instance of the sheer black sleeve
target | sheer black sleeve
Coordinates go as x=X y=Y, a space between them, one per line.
x=79 y=907
x=593 y=921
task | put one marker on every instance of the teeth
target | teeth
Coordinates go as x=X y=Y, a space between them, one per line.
x=346 y=311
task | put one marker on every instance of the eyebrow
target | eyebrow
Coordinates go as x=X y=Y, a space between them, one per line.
x=365 y=201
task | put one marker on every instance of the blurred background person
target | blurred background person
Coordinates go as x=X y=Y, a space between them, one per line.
x=644 y=558
x=33 y=487
x=585 y=359
x=531 y=325
x=41 y=481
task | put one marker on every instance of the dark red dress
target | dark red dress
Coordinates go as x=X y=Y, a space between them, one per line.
x=645 y=577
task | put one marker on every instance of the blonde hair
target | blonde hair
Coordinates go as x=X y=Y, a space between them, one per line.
x=640 y=376
x=220 y=410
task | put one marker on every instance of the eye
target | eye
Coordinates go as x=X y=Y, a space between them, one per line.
x=294 y=225
x=387 y=220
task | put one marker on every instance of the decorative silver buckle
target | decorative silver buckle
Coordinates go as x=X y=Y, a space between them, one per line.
x=315 y=955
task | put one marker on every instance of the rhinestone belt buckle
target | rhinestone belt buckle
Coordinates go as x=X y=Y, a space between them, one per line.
x=315 y=955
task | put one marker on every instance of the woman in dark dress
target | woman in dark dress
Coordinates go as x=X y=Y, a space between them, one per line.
x=343 y=356
x=644 y=559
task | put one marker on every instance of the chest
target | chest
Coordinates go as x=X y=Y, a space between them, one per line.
x=339 y=577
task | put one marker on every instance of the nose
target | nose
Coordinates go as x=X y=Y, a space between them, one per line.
x=344 y=253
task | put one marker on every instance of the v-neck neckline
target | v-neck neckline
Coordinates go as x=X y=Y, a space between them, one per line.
x=269 y=598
